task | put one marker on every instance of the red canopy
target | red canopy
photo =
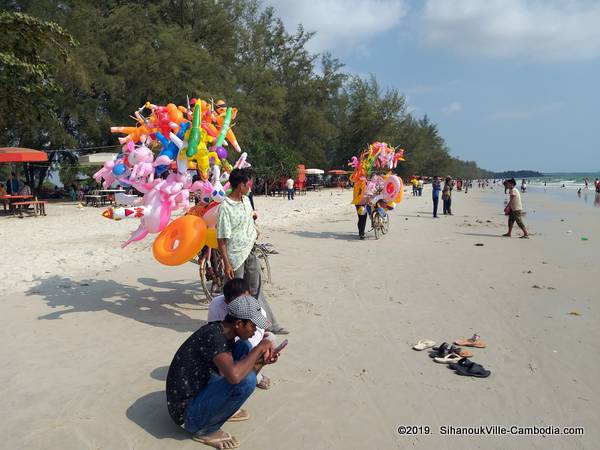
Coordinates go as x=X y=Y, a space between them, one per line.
x=16 y=154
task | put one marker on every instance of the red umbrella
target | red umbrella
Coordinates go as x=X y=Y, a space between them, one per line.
x=17 y=154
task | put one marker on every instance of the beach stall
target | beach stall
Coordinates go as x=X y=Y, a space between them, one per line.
x=17 y=203
x=314 y=179
x=336 y=178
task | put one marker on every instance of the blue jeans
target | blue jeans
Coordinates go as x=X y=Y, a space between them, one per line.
x=219 y=400
x=290 y=193
x=436 y=200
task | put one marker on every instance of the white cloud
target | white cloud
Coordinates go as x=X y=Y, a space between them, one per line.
x=547 y=30
x=526 y=113
x=452 y=108
x=340 y=24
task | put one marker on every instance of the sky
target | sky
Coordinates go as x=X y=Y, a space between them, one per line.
x=511 y=84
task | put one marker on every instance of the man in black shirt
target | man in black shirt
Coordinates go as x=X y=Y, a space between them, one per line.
x=212 y=375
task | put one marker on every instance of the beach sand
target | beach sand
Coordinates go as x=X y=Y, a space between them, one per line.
x=89 y=329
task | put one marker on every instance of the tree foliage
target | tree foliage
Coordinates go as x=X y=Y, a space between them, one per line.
x=70 y=69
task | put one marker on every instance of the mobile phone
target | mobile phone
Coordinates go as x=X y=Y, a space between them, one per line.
x=280 y=347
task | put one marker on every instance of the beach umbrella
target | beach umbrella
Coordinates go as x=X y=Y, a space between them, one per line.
x=338 y=172
x=314 y=172
x=17 y=154
x=96 y=159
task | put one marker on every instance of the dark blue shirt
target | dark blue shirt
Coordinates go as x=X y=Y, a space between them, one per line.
x=437 y=188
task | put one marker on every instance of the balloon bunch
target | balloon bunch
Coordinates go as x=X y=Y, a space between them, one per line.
x=187 y=141
x=373 y=181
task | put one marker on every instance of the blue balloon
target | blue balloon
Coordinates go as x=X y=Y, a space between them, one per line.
x=119 y=169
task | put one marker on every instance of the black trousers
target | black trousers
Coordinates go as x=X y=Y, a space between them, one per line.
x=362 y=221
x=436 y=200
x=447 y=206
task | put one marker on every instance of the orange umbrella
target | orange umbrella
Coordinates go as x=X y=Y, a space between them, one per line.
x=338 y=172
x=17 y=154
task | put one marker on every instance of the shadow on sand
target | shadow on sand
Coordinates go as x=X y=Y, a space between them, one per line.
x=327 y=235
x=159 y=303
x=480 y=234
x=150 y=413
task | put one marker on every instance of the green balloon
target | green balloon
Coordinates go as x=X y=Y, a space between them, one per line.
x=194 y=139
x=226 y=123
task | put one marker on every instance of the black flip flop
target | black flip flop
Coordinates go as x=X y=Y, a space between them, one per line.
x=440 y=351
x=472 y=370
x=463 y=362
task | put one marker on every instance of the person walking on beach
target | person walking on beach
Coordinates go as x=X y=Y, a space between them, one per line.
x=212 y=375
x=447 y=195
x=289 y=184
x=436 y=186
x=523 y=185
x=515 y=210
x=415 y=184
x=420 y=186
x=217 y=311
x=236 y=235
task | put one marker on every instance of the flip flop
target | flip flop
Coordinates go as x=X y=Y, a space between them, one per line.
x=442 y=350
x=463 y=362
x=423 y=344
x=449 y=358
x=239 y=416
x=225 y=442
x=472 y=370
x=265 y=383
x=461 y=351
x=471 y=342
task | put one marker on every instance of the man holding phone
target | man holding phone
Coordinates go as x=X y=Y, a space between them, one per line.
x=236 y=236
x=212 y=374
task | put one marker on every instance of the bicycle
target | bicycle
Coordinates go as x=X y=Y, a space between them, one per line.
x=212 y=269
x=380 y=221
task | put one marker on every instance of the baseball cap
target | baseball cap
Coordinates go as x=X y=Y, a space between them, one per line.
x=247 y=307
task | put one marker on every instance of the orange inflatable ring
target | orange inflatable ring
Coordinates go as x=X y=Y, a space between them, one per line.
x=180 y=241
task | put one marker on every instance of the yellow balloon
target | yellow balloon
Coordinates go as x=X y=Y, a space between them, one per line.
x=211 y=238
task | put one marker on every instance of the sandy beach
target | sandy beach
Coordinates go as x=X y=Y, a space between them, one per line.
x=89 y=329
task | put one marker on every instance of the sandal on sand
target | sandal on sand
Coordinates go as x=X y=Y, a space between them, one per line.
x=450 y=358
x=472 y=342
x=239 y=416
x=423 y=344
x=471 y=369
x=447 y=349
x=265 y=383
x=224 y=442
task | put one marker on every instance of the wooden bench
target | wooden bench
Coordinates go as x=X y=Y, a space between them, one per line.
x=39 y=207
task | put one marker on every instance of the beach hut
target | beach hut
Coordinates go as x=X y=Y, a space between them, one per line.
x=314 y=178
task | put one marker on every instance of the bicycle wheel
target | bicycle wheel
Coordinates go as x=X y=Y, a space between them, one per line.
x=265 y=267
x=376 y=223
x=212 y=273
x=385 y=224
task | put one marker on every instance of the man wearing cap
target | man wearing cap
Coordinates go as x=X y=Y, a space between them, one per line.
x=212 y=375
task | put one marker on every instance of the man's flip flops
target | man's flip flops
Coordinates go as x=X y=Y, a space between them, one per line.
x=445 y=349
x=423 y=344
x=239 y=416
x=449 y=358
x=472 y=342
x=225 y=442
x=468 y=368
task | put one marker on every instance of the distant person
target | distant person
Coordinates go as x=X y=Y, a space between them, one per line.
x=415 y=184
x=212 y=375
x=289 y=184
x=447 y=195
x=25 y=190
x=523 y=185
x=2 y=190
x=420 y=186
x=544 y=184
x=579 y=192
x=597 y=185
x=436 y=186
x=13 y=184
x=585 y=180
x=514 y=210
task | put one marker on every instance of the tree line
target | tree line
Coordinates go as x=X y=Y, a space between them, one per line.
x=70 y=69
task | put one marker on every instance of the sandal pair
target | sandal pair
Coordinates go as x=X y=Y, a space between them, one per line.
x=446 y=349
x=467 y=368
